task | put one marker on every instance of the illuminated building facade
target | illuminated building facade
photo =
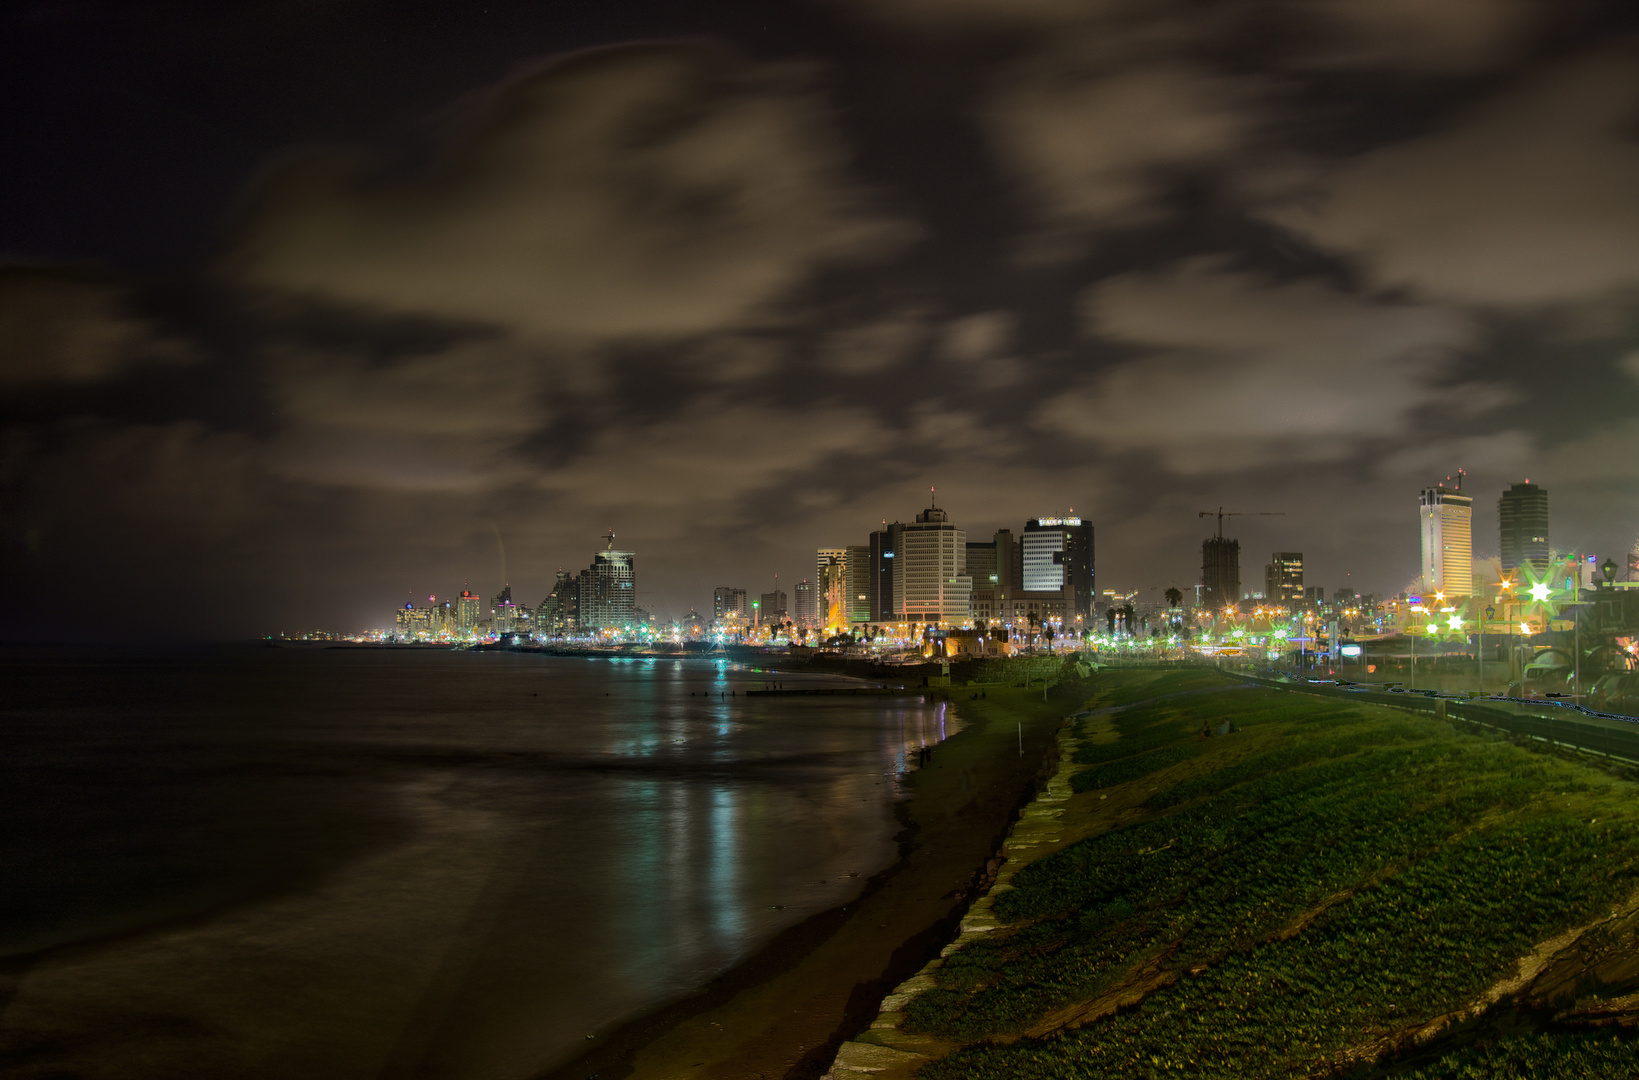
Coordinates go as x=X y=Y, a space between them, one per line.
x=930 y=578
x=730 y=605
x=1522 y=512
x=559 y=613
x=1448 y=539
x=503 y=612
x=469 y=608
x=1283 y=578
x=608 y=590
x=807 y=610
x=857 y=579
x=832 y=581
x=1056 y=554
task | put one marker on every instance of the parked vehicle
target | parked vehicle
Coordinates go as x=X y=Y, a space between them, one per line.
x=1617 y=692
x=1541 y=680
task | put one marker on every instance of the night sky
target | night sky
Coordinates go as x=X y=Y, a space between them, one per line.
x=306 y=308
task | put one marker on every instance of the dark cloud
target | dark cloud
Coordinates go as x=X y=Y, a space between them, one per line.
x=1134 y=259
x=1527 y=199
x=664 y=190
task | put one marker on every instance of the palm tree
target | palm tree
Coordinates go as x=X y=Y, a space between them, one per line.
x=1174 y=597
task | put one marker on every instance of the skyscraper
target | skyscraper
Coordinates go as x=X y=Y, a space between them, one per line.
x=560 y=611
x=1220 y=572
x=884 y=544
x=807 y=611
x=857 y=577
x=505 y=611
x=468 y=610
x=608 y=589
x=773 y=606
x=831 y=580
x=1448 y=539
x=1522 y=513
x=1057 y=554
x=1283 y=578
x=930 y=579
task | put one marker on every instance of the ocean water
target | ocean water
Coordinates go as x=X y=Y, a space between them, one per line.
x=347 y=863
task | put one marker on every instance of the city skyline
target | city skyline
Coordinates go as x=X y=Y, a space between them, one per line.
x=304 y=308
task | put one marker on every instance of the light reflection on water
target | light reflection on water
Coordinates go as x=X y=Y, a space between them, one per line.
x=340 y=864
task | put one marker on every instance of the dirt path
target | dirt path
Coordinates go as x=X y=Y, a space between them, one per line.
x=784 y=1012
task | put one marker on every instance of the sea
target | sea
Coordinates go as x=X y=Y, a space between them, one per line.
x=347 y=862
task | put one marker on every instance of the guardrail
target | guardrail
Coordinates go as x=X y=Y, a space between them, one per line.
x=1559 y=723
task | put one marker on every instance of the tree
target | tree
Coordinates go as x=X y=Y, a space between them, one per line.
x=1174 y=597
x=1109 y=617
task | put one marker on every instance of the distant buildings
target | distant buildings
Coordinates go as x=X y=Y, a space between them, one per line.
x=730 y=605
x=469 y=608
x=1448 y=539
x=1057 y=554
x=559 y=613
x=1522 y=513
x=773 y=606
x=503 y=612
x=884 y=544
x=857 y=578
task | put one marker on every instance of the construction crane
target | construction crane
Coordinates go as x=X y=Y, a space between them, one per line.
x=1221 y=513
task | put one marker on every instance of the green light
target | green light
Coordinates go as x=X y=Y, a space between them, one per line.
x=1431 y=629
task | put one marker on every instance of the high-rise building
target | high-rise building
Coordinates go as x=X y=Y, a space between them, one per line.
x=807 y=613
x=729 y=604
x=503 y=611
x=469 y=608
x=607 y=589
x=1448 y=539
x=831 y=580
x=1220 y=572
x=930 y=570
x=884 y=543
x=1057 y=554
x=1283 y=578
x=857 y=581
x=1523 y=514
x=1009 y=561
x=773 y=606
x=559 y=613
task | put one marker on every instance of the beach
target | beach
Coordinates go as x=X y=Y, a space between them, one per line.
x=784 y=1011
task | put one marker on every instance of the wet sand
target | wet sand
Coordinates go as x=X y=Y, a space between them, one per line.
x=783 y=1012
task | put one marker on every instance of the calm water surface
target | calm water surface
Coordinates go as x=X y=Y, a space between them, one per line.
x=370 y=863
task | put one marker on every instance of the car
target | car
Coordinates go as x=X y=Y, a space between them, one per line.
x=1540 y=680
x=1617 y=692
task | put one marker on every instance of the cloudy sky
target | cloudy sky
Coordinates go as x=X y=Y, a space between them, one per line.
x=309 y=307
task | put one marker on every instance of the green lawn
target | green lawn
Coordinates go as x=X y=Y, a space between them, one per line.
x=1325 y=875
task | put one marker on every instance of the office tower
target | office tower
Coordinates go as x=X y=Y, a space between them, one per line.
x=469 y=608
x=608 y=589
x=1523 y=514
x=884 y=542
x=730 y=605
x=1283 y=578
x=1056 y=554
x=1448 y=545
x=930 y=581
x=1314 y=596
x=807 y=604
x=773 y=606
x=857 y=579
x=1220 y=572
x=832 y=583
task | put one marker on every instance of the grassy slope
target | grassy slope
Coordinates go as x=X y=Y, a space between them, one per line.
x=1323 y=877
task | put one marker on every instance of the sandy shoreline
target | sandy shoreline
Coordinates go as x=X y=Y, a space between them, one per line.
x=784 y=1011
